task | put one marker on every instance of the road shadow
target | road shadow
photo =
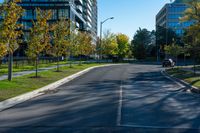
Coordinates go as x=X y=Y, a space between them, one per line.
x=92 y=106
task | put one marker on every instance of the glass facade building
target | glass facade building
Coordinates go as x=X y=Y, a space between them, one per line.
x=83 y=13
x=169 y=17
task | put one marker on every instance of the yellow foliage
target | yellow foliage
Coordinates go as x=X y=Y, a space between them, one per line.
x=40 y=37
x=61 y=41
x=10 y=30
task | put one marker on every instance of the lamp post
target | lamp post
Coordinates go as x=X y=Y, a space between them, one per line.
x=101 y=26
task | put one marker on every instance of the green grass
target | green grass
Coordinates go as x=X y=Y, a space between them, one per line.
x=4 y=68
x=23 y=84
x=189 y=77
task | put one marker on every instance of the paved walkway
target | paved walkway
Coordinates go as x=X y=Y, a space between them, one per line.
x=22 y=73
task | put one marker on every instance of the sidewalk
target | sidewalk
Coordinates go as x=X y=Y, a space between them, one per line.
x=22 y=73
x=189 y=69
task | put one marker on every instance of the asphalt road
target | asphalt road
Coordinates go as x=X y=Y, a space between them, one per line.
x=123 y=99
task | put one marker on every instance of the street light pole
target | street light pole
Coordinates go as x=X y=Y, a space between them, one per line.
x=101 y=28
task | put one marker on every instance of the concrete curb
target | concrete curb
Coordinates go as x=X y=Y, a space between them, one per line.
x=181 y=82
x=27 y=96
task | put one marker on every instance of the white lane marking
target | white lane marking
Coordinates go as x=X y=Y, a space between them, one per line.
x=119 y=114
x=155 y=127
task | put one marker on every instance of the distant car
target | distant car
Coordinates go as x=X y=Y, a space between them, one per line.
x=168 y=63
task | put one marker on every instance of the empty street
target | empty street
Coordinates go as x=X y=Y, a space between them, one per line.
x=129 y=97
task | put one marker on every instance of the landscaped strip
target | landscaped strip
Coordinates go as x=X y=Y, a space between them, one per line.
x=23 y=84
x=189 y=77
x=19 y=68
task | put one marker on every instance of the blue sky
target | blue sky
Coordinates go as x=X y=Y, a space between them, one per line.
x=129 y=14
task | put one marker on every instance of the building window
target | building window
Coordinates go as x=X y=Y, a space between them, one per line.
x=54 y=14
x=28 y=14
x=63 y=13
x=27 y=25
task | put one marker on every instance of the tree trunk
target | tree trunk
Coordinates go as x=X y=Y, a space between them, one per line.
x=36 y=67
x=70 y=64
x=10 y=66
x=57 y=63
x=80 y=61
x=194 y=66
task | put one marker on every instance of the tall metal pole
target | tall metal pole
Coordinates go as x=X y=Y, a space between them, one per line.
x=100 y=52
x=100 y=42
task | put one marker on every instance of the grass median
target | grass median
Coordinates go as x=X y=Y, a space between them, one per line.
x=188 y=77
x=23 y=84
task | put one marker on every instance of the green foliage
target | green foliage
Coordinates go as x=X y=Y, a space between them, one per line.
x=164 y=37
x=74 y=41
x=192 y=36
x=173 y=50
x=109 y=44
x=123 y=45
x=140 y=42
x=61 y=32
x=84 y=44
x=60 y=39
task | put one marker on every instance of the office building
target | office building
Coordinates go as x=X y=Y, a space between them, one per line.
x=168 y=17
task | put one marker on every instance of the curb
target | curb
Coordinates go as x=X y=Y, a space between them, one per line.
x=27 y=96
x=181 y=82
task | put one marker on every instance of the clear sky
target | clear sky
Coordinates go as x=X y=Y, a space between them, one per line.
x=129 y=14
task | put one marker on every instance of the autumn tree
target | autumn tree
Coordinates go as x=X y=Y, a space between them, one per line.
x=109 y=46
x=3 y=48
x=60 y=39
x=39 y=36
x=84 y=46
x=10 y=31
x=74 y=41
x=123 y=45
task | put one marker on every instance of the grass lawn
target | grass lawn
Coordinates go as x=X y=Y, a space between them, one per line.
x=23 y=84
x=4 y=68
x=186 y=76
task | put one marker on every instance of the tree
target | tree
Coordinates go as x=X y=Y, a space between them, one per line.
x=40 y=37
x=84 y=46
x=140 y=42
x=174 y=50
x=164 y=36
x=10 y=31
x=123 y=45
x=192 y=32
x=61 y=32
x=74 y=41
x=109 y=45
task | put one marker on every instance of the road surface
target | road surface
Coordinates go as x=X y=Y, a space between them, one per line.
x=124 y=98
